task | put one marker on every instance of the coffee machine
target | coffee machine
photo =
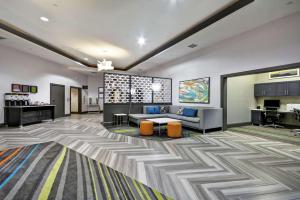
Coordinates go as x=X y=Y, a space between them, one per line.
x=16 y=99
x=26 y=100
x=10 y=99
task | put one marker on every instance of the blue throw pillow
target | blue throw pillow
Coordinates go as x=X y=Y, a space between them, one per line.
x=153 y=110
x=156 y=110
x=150 y=110
x=190 y=112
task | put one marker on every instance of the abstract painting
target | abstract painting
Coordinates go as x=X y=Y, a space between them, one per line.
x=194 y=91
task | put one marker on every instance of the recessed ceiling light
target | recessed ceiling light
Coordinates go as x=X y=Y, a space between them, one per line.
x=141 y=41
x=44 y=19
x=85 y=58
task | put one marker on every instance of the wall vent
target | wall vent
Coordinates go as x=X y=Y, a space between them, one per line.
x=192 y=46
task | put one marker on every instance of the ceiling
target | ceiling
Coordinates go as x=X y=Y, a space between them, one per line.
x=96 y=29
x=252 y=16
x=108 y=29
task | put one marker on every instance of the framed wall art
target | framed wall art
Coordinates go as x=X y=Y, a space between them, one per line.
x=194 y=91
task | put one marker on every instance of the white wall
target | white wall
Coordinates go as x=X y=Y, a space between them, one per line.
x=276 y=43
x=94 y=82
x=240 y=99
x=23 y=68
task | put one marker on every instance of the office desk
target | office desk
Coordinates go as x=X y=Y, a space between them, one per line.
x=258 y=117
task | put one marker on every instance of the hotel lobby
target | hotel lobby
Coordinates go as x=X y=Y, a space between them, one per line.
x=172 y=99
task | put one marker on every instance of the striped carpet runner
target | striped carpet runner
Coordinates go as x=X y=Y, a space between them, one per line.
x=52 y=171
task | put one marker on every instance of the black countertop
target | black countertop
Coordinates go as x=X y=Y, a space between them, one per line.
x=32 y=106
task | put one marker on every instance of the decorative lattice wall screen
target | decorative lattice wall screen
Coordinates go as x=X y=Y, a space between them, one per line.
x=165 y=94
x=142 y=89
x=117 y=88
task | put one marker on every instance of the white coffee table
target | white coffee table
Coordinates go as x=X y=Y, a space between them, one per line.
x=162 y=121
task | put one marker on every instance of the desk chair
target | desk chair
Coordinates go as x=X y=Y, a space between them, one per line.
x=272 y=117
x=297 y=117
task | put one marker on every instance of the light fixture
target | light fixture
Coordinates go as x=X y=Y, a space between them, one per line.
x=156 y=87
x=141 y=41
x=104 y=65
x=85 y=59
x=44 y=19
x=132 y=91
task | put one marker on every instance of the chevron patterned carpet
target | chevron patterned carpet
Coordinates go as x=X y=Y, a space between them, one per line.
x=220 y=165
x=279 y=134
x=135 y=132
x=52 y=171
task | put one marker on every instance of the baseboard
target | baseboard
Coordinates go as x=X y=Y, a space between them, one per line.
x=238 y=124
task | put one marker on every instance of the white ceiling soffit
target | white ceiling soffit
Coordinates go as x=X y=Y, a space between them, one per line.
x=18 y=43
x=252 y=16
x=95 y=29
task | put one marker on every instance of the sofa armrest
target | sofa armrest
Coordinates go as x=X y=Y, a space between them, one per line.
x=211 y=118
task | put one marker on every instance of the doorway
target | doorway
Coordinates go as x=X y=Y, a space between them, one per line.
x=75 y=100
x=57 y=98
x=225 y=83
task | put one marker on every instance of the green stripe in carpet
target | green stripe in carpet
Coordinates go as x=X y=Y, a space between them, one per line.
x=52 y=171
x=124 y=130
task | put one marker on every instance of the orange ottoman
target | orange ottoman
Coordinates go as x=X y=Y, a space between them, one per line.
x=174 y=130
x=146 y=128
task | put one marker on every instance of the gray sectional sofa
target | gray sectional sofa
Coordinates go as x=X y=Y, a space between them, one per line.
x=207 y=118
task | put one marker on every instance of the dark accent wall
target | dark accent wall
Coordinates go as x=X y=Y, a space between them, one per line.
x=111 y=109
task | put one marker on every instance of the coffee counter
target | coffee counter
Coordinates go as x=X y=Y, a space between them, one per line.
x=22 y=115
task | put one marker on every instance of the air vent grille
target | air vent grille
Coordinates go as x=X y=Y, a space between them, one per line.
x=192 y=46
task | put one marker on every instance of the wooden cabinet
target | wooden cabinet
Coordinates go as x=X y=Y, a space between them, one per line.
x=277 y=89
x=293 y=88
x=259 y=90
x=281 y=89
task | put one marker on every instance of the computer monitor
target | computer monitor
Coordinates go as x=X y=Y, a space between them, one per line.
x=272 y=103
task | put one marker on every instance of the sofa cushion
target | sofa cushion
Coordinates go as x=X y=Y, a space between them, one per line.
x=150 y=110
x=174 y=116
x=164 y=109
x=189 y=112
x=173 y=109
x=157 y=109
x=190 y=119
x=180 y=111
x=153 y=110
x=146 y=116
x=184 y=118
